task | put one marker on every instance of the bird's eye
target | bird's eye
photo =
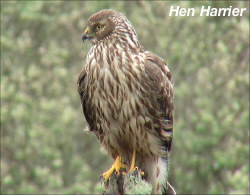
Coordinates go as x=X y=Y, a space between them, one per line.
x=98 y=27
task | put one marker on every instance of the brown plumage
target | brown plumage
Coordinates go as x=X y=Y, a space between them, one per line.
x=127 y=97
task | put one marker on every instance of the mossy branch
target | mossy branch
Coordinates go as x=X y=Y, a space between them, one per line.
x=130 y=183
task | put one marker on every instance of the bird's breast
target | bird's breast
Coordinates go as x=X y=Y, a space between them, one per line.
x=114 y=78
x=117 y=100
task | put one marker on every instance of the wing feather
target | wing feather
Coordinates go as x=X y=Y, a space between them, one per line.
x=89 y=115
x=158 y=82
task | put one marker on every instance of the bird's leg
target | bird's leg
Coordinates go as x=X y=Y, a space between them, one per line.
x=132 y=166
x=115 y=167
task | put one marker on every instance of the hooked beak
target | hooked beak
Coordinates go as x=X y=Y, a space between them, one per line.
x=86 y=34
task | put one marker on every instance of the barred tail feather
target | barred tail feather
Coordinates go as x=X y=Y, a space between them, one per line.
x=156 y=171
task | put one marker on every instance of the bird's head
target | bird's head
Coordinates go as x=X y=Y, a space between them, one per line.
x=105 y=23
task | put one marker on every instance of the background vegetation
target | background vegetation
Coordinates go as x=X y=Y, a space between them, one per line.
x=43 y=145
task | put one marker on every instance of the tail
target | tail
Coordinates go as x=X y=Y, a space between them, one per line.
x=156 y=173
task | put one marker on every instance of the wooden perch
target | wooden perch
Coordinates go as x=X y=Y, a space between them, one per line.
x=130 y=183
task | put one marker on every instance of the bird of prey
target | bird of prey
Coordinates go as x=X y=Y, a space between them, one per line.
x=126 y=94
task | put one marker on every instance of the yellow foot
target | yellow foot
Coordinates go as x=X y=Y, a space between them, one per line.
x=133 y=169
x=132 y=166
x=115 y=167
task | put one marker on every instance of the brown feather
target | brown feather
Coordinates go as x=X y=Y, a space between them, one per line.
x=127 y=96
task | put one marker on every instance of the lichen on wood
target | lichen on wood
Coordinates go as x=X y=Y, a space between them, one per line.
x=131 y=183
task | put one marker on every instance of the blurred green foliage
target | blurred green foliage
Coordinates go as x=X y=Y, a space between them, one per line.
x=43 y=145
